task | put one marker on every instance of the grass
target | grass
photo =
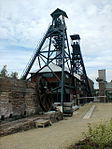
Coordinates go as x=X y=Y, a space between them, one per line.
x=97 y=137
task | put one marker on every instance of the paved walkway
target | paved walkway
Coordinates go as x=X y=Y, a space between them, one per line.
x=60 y=135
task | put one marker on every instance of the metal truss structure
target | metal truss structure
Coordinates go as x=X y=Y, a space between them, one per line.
x=58 y=52
x=78 y=65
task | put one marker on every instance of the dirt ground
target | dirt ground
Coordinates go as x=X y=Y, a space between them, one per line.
x=60 y=135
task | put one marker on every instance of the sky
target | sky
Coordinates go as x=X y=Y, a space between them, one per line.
x=23 y=22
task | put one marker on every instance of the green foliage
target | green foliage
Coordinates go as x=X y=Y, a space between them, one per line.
x=14 y=75
x=97 y=137
x=100 y=134
x=4 y=72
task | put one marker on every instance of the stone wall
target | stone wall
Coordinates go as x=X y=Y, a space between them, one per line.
x=29 y=122
x=17 y=98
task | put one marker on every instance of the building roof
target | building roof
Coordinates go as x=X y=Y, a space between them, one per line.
x=56 y=68
x=58 y=12
x=75 y=37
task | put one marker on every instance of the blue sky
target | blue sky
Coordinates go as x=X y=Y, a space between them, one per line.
x=23 y=22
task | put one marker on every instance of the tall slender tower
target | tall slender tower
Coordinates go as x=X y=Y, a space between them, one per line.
x=102 y=81
x=78 y=65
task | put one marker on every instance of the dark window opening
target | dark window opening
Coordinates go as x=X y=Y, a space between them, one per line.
x=2 y=117
x=10 y=116
x=24 y=112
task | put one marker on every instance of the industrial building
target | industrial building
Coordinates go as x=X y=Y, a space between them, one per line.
x=105 y=88
x=60 y=80
x=50 y=81
x=60 y=75
x=60 y=72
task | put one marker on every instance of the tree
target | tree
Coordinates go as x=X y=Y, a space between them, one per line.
x=14 y=75
x=4 y=72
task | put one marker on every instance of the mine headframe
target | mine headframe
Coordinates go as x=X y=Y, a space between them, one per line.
x=53 y=49
x=78 y=66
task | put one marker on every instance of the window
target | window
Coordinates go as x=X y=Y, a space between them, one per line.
x=47 y=75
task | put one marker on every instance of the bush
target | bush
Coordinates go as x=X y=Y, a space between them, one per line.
x=98 y=137
x=101 y=134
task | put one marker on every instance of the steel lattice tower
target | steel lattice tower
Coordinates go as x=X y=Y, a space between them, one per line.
x=58 y=52
x=78 y=65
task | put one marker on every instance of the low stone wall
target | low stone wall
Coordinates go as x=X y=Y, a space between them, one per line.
x=17 y=98
x=28 y=123
x=19 y=107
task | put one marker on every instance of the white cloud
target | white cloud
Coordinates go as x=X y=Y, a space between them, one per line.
x=23 y=22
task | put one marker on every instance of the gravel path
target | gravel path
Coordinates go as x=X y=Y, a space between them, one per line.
x=60 y=135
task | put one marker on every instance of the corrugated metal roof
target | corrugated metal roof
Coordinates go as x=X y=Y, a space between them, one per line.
x=56 y=68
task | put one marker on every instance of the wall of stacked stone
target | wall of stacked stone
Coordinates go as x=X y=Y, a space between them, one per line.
x=17 y=98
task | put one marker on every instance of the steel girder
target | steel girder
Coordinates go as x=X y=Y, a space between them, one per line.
x=57 y=51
